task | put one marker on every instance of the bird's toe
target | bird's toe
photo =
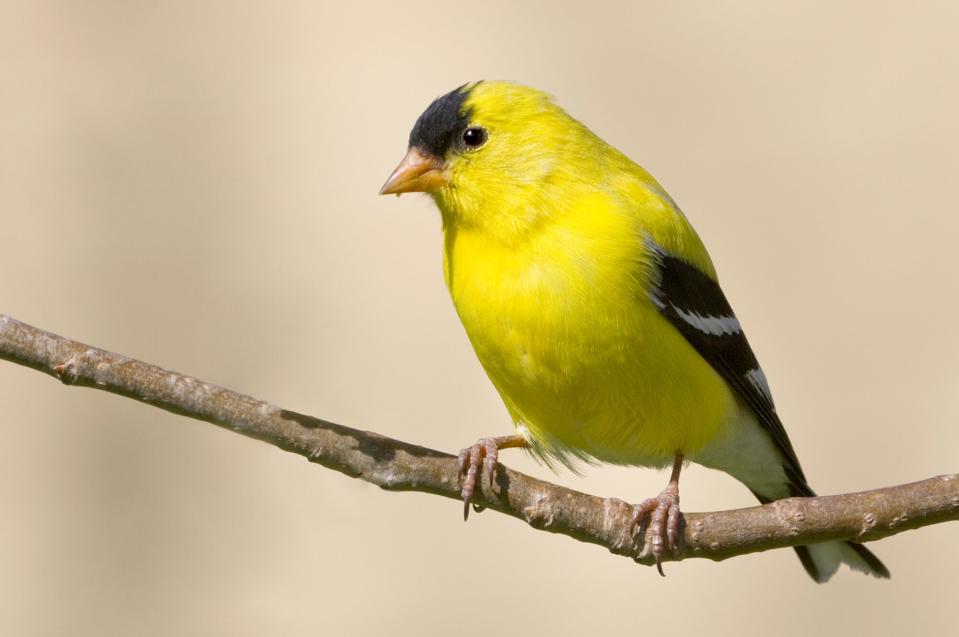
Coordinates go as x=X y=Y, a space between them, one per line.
x=661 y=517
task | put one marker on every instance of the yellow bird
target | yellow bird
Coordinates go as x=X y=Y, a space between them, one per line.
x=594 y=308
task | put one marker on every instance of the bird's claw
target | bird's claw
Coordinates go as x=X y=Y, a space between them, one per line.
x=485 y=453
x=663 y=522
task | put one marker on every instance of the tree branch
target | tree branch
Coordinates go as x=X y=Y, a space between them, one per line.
x=400 y=466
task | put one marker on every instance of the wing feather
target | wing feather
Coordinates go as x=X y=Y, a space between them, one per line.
x=696 y=306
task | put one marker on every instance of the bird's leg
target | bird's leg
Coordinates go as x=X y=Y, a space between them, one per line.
x=485 y=451
x=663 y=511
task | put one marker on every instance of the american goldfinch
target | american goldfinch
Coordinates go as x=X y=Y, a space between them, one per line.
x=594 y=308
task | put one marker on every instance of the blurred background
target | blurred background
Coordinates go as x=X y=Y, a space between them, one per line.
x=194 y=185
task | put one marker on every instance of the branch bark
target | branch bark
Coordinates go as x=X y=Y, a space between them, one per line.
x=400 y=466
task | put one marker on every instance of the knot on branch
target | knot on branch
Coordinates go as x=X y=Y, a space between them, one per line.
x=67 y=372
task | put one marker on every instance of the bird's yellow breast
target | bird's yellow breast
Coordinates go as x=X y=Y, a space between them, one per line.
x=563 y=325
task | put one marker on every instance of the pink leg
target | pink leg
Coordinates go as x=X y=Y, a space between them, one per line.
x=484 y=452
x=664 y=518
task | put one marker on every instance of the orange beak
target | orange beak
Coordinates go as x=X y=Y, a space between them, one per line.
x=418 y=172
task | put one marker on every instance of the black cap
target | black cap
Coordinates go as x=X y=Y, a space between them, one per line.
x=442 y=122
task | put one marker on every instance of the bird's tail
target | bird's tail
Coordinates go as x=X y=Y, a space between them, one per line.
x=772 y=473
x=822 y=560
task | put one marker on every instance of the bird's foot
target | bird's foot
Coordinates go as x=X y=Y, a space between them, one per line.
x=663 y=522
x=484 y=453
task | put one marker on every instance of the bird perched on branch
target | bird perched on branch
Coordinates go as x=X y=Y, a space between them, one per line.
x=595 y=309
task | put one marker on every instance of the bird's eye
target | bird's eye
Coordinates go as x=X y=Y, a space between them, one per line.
x=474 y=137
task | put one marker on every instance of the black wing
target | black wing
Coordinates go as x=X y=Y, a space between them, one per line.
x=697 y=307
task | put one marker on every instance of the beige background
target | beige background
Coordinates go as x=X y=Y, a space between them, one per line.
x=194 y=184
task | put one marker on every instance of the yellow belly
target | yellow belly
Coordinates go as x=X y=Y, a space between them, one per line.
x=577 y=351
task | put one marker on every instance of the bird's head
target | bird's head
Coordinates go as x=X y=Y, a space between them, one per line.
x=494 y=155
